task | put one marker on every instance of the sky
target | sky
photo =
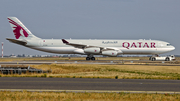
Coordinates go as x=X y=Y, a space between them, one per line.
x=92 y=19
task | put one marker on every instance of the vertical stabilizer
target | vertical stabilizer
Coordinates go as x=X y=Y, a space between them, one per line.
x=19 y=30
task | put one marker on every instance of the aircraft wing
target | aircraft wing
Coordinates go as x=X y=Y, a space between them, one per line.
x=20 y=42
x=82 y=46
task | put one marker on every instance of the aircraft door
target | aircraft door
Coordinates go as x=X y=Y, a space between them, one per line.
x=41 y=43
x=160 y=44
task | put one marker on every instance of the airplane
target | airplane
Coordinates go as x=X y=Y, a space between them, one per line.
x=89 y=47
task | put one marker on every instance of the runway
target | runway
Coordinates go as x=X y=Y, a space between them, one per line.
x=108 y=62
x=89 y=85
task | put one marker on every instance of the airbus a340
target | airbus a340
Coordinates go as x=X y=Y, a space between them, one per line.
x=84 y=46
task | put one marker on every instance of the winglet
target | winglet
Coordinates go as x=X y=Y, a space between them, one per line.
x=64 y=41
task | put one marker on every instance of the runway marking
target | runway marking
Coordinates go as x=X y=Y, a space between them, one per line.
x=90 y=91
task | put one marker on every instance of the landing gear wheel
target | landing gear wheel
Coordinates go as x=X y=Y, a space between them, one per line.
x=167 y=59
x=153 y=59
x=88 y=58
x=92 y=58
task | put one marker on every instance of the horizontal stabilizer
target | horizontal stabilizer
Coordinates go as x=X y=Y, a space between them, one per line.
x=20 y=42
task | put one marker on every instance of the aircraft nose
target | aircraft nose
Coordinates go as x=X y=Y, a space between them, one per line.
x=173 y=48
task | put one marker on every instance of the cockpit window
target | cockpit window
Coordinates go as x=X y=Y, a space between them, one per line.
x=168 y=44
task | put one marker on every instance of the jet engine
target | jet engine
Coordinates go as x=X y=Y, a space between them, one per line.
x=92 y=50
x=110 y=53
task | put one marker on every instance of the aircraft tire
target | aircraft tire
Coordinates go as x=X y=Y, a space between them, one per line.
x=153 y=59
x=93 y=58
x=167 y=59
x=88 y=58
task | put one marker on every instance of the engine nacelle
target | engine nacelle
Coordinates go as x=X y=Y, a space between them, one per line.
x=110 y=53
x=92 y=50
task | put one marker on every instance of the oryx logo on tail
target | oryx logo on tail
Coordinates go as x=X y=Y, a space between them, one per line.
x=18 y=30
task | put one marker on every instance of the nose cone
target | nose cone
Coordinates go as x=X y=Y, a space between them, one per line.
x=172 y=48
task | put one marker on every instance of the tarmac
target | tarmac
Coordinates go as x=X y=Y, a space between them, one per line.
x=89 y=85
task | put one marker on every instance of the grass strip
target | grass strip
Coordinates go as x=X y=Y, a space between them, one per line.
x=64 y=96
x=105 y=71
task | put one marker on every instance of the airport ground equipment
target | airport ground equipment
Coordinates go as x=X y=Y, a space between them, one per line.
x=162 y=58
x=20 y=69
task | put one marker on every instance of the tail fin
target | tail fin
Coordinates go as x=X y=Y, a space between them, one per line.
x=20 y=31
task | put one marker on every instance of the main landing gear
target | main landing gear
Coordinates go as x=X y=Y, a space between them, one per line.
x=90 y=57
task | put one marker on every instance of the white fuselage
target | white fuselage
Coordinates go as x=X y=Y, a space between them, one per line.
x=126 y=46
